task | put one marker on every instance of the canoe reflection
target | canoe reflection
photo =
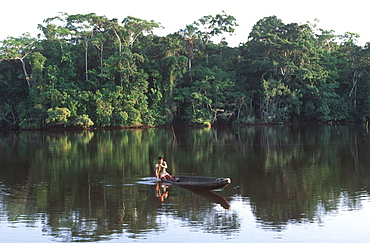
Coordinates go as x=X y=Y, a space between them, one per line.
x=162 y=194
x=211 y=196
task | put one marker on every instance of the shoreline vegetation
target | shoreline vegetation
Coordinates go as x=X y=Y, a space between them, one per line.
x=195 y=126
x=89 y=72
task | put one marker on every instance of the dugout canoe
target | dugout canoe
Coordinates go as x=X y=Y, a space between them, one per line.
x=199 y=182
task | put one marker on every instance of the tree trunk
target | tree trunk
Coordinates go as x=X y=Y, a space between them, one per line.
x=189 y=67
x=86 y=56
x=25 y=72
x=190 y=46
x=119 y=53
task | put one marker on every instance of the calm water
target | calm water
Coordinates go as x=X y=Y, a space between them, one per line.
x=289 y=184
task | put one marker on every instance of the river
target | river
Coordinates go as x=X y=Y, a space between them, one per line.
x=289 y=183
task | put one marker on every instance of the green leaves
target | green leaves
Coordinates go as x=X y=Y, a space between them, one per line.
x=298 y=72
x=112 y=73
x=209 y=98
x=211 y=26
x=17 y=48
x=58 y=116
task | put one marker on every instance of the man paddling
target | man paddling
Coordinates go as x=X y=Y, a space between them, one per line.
x=160 y=170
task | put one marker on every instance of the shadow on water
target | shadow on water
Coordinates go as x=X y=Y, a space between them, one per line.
x=82 y=186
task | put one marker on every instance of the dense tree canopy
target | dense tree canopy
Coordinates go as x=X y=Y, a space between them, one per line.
x=87 y=70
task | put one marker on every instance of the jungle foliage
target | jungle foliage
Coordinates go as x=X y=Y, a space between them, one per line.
x=87 y=70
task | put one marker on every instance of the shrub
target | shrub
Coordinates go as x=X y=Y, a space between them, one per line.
x=83 y=121
x=58 y=116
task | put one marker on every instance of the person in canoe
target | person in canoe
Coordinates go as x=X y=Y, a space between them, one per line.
x=161 y=170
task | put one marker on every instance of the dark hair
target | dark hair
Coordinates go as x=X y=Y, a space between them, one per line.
x=160 y=157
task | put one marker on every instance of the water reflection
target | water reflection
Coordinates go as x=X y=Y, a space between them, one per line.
x=82 y=186
x=161 y=189
x=212 y=197
x=162 y=194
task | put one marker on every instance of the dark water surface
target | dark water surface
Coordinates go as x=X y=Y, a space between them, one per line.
x=289 y=184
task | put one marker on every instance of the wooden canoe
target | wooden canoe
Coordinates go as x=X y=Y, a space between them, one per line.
x=198 y=182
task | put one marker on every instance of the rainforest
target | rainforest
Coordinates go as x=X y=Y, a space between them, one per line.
x=87 y=70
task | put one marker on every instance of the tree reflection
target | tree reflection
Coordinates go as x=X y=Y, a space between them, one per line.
x=298 y=175
x=81 y=185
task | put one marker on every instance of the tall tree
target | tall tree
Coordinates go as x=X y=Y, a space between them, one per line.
x=134 y=27
x=18 y=49
x=220 y=24
x=190 y=35
x=289 y=53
